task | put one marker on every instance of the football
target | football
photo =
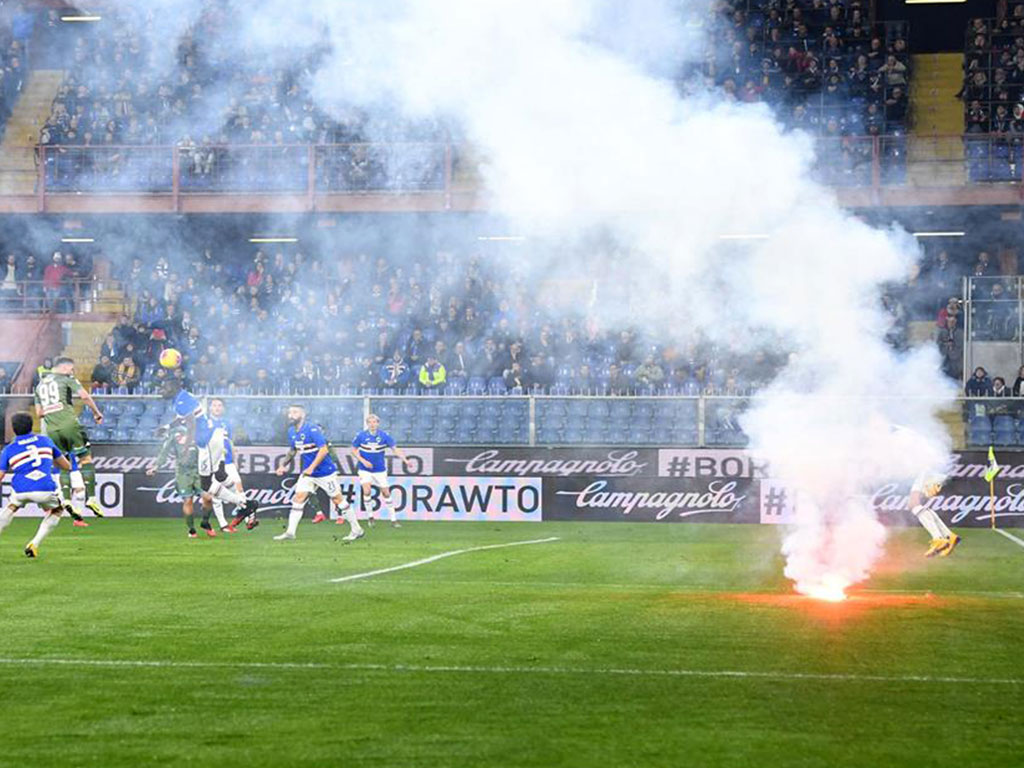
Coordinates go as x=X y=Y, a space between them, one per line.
x=170 y=358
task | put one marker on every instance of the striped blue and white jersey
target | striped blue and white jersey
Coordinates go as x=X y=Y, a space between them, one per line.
x=29 y=459
x=371 y=446
x=186 y=404
x=306 y=441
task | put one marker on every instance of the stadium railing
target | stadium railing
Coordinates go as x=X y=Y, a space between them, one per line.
x=994 y=326
x=74 y=296
x=320 y=169
x=704 y=421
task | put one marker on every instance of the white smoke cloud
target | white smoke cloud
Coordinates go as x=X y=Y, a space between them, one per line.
x=580 y=134
x=585 y=139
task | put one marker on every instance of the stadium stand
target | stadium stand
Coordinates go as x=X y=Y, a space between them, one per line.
x=237 y=124
x=826 y=70
x=221 y=125
x=993 y=96
x=376 y=323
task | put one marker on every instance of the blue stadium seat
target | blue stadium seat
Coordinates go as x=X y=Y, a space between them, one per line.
x=574 y=435
x=455 y=386
x=1004 y=437
x=1003 y=422
x=110 y=407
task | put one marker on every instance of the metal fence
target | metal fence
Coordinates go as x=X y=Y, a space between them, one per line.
x=308 y=170
x=68 y=296
x=529 y=420
x=994 y=326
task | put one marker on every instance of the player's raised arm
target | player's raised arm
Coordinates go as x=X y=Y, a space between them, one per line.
x=161 y=457
x=86 y=397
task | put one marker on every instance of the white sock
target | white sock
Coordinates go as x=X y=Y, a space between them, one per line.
x=944 y=532
x=390 y=504
x=48 y=524
x=218 y=512
x=350 y=517
x=293 y=518
x=6 y=515
x=930 y=521
x=229 y=495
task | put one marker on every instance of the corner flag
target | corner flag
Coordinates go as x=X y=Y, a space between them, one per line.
x=993 y=467
x=990 y=478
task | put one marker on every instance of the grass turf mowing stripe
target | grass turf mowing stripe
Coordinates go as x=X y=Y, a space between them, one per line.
x=1010 y=536
x=435 y=558
x=510 y=670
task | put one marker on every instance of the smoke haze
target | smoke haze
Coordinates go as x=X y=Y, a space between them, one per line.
x=589 y=150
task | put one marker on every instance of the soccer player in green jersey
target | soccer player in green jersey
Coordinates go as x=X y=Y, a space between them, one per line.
x=54 y=400
x=186 y=474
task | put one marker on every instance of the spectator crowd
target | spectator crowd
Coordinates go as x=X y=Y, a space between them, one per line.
x=825 y=69
x=297 y=323
x=993 y=95
x=238 y=120
x=58 y=284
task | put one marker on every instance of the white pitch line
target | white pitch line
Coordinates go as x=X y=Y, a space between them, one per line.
x=675 y=589
x=442 y=556
x=509 y=670
x=1010 y=536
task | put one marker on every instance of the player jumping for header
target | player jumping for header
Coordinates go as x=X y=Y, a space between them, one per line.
x=234 y=479
x=368 y=447
x=210 y=438
x=318 y=471
x=30 y=459
x=54 y=401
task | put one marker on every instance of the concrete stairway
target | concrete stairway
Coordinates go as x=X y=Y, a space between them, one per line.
x=17 y=158
x=935 y=153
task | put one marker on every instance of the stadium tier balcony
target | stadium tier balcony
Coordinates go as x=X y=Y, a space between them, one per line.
x=234 y=168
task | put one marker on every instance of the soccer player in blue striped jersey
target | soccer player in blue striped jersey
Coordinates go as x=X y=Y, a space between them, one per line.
x=317 y=471
x=210 y=438
x=29 y=459
x=234 y=480
x=369 y=447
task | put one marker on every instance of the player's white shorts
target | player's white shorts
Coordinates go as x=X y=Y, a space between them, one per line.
x=233 y=476
x=329 y=484
x=928 y=483
x=380 y=479
x=44 y=499
x=211 y=456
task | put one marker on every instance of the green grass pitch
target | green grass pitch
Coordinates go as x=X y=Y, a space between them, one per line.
x=613 y=646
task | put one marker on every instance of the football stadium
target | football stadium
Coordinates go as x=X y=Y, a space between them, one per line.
x=512 y=383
